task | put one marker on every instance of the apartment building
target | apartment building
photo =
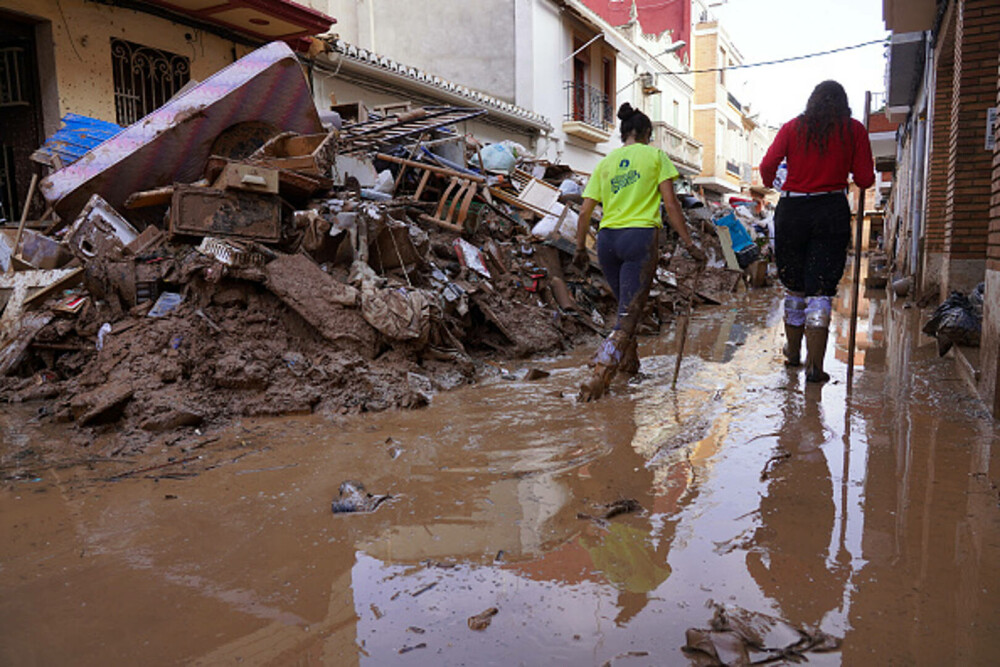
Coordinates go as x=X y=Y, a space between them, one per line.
x=730 y=133
x=560 y=66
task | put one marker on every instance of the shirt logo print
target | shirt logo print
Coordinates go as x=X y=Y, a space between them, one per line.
x=623 y=164
x=622 y=181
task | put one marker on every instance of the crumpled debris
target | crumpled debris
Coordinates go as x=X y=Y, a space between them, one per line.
x=740 y=637
x=482 y=620
x=353 y=498
x=399 y=313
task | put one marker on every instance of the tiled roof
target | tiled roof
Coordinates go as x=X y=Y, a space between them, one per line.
x=489 y=102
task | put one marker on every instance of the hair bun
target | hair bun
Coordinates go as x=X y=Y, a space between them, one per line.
x=625 y=111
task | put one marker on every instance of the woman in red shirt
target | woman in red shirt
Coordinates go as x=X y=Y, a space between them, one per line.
x=812 y=224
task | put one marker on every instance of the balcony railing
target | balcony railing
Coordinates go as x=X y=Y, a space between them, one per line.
x=589 y=105
x=681 y=148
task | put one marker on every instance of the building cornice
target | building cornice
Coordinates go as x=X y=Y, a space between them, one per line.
x=388 y=75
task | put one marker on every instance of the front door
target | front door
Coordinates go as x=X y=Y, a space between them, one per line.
x=20 y=113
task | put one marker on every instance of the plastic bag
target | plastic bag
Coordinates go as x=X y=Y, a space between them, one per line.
x=955 y=322
x=496 y=158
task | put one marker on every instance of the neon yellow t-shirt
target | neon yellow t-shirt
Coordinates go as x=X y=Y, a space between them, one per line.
x=627 y=184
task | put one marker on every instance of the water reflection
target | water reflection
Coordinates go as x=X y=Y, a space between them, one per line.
x=790 y=556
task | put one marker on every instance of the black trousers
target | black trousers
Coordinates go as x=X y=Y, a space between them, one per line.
x=811 y=235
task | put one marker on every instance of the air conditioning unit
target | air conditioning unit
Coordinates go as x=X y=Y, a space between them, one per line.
x=648 y=82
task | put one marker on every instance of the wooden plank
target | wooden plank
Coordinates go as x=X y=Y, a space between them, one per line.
x=431 y=167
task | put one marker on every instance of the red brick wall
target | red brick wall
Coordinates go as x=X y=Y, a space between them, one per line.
x=937 y=178
x=974 y=90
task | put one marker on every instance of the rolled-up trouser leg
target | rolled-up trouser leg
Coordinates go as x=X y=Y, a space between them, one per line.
x=795 y=320
x=817 y=325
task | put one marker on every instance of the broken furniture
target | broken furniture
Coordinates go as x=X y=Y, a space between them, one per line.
x=309 y=153
x=173 y=143
x=99 y=231
x=199 y=211
x=461 y=189
x=378 y=134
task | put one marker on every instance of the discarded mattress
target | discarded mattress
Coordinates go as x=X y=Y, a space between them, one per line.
x=173 y=143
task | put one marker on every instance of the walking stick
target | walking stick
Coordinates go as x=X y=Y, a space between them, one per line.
x=856 y=285
x=855 y=289
x=684 y=326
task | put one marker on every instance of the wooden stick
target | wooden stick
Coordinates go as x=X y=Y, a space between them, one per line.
x=431 y=167
x=24 y=216
x=413 y=154
x=684 y=327
x=855 y=289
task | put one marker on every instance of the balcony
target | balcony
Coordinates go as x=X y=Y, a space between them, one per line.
x=589 y=115
x=682 y=149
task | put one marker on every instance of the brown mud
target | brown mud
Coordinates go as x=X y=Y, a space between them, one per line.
x=869 y=523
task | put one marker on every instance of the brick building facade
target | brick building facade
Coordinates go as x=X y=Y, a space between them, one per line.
x=956 y=91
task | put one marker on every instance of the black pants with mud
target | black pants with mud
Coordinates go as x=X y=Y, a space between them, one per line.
x=811 y=235
x=628 y=260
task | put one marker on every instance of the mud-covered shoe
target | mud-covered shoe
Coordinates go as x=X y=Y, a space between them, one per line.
x=630 y=362
x=793 y=346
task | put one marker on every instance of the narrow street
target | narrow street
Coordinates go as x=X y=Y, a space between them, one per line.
x=873 y=520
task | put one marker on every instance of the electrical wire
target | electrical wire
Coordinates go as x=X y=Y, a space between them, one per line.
x=786 y=60
x=766 y=62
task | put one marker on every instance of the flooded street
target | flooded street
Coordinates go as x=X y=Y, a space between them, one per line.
x=873 y=519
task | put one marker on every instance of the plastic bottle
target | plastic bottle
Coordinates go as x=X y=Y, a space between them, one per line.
x=779 y=178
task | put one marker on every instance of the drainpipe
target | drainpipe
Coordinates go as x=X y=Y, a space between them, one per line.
x=917 y=190
x=930 y=84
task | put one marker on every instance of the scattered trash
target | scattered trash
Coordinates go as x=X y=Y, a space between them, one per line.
x=737 y=636
x=165 y=304
x=353 y=498
x=407 y=649
x=482 y=620
x=102 y=334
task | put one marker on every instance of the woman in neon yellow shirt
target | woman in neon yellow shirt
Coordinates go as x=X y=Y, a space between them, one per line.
x=629 y=183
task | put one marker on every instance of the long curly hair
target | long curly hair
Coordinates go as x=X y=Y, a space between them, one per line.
x=827 y=113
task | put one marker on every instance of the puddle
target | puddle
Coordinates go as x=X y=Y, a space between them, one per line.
x=871 y=519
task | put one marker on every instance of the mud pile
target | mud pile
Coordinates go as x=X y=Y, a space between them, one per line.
x=337 y=268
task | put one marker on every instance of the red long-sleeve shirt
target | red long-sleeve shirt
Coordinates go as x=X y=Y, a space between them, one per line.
x=809 y=171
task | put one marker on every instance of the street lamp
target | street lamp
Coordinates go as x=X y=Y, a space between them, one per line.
x=673 y=48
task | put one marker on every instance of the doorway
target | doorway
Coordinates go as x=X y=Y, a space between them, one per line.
x=21 y=129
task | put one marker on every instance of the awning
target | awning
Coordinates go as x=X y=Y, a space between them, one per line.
x=266 y=20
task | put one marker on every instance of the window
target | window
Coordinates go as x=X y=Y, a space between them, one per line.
x=677 y=114
x=591 y=93
x=144 y=78
x=722 y=66
x=13 y=77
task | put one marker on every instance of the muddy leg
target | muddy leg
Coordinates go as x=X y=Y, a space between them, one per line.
x=615 y=348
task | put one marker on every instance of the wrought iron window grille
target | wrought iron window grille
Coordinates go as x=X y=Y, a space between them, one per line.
x=145 y=78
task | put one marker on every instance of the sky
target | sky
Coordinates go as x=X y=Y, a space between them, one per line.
x=764 y=30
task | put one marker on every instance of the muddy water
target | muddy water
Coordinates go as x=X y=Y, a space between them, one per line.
x=875 y=520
